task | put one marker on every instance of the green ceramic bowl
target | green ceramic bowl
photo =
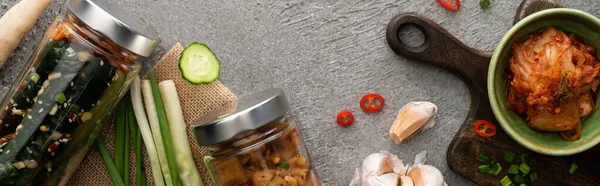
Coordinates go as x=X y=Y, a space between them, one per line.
x=587 y=28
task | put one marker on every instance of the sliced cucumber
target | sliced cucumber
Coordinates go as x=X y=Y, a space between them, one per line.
x=198 y=65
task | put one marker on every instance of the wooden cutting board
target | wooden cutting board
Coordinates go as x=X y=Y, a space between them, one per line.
x=471 y=65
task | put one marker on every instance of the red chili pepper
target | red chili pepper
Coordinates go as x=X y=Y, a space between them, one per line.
x=448 y=4
x=345 y=118
x=372 y=102
x=484 y=128
x=250 y=183
x=52 y=147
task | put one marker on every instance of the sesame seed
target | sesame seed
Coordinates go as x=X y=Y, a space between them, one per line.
x=29 y=116
x=14 y=105
x=70 y=120
x=6 y=125
x=93 y=105
x=40 y=102
x=28 y=86
x=71 y=83
x=65 y=105
x=27 y=99
x=12 y=101
x=6 y=108
x=41 y=110
x=108 y=84
x=101 y=63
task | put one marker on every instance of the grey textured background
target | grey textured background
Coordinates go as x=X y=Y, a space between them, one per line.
x=325 y=54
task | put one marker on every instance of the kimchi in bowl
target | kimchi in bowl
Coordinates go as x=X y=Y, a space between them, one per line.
x=584 y=27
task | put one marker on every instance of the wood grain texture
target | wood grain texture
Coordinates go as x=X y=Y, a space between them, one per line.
x=442 y=49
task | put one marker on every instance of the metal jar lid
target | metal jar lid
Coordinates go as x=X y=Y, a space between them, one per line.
x=125 y=30
x=253 y=111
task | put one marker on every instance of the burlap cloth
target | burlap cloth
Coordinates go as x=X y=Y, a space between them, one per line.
x=199 y=103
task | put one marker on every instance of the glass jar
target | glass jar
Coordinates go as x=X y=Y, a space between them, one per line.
x=58 y=105
x=257 y=145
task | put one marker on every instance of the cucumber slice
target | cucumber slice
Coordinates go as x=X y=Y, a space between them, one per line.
x=198 y=65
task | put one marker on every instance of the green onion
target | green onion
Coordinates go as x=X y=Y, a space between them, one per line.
x=523 y=158
x=164 y=129
x=524 y=168
x=284 y=165
x=483 y=159
x=513 y=169
x=505 y=181
x=110 y=166
x=60 y=98
x=573 y=168
x=484 y=168
x=485 y=3
x=144 y=128
x=519 y=179
x=126 y=148
x=120 y=126
x=75 y=108
x=140 y=176
x=533 y=176
x=509 y=157
x=188 y=172
x=35 y=77
x=497 y=171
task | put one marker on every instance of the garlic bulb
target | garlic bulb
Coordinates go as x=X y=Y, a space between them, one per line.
x=379 y=169
x=405 y=181
x=411 y=118
x=425 y=175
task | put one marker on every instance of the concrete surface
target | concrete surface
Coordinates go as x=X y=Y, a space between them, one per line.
x=325 y=54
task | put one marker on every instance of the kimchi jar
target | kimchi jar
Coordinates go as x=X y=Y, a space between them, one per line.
x=257 y=145
x=59 y=103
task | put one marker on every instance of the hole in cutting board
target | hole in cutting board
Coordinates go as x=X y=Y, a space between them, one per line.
x=411 y=35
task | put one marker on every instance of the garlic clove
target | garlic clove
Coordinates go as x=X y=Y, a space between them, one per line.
x=426 y=175
x=411 y=118
x=389 y=179
x=405 y=181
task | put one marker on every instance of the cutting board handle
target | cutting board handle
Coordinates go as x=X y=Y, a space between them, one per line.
x=442 y=49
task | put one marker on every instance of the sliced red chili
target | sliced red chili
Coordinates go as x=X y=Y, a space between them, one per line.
x=345 y=118
x=448 y=4
x=484 y=128
x=372 y=102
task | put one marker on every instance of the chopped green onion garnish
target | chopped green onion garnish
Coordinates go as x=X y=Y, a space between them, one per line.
x=523 y=158
x=513 y=169
x=485 y=3
x=510 y=157
x=519 y=179
x=573 y=168
x=498 y=169
x=284 y=165
x=35 y=77
x=483 y=159
x=75 y=108
x=505 y=181
x=524 y=168
x=533 y=176
x=484 y=168
x=60 y=98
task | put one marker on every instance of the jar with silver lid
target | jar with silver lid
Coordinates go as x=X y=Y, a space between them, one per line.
x=257 y=145
x=58 y=105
